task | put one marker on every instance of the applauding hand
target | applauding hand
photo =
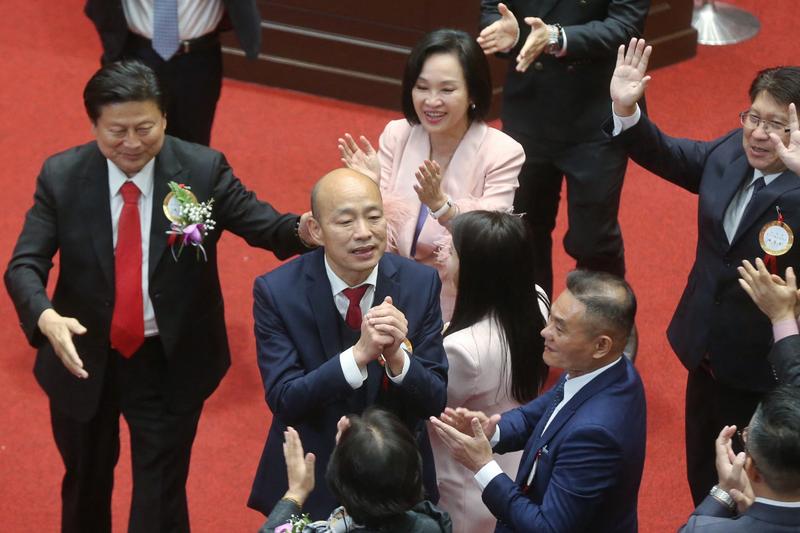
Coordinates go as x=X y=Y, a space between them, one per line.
x=362 y=158
x=789 y=154
x=500 y=35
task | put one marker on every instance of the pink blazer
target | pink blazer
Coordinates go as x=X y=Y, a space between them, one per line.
x=482 y=174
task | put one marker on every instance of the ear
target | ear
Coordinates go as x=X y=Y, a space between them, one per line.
x=602 y=346
x=751 y=470
x=315 y=229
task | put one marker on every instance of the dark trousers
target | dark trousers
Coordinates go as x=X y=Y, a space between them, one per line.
x=595 y=171
x=710 y=405
x=193 y=83
x=161 y=444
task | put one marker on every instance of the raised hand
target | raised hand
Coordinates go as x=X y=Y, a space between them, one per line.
x=429 y=185
x=789 y=154
x=361 y=158
x=500 y=35
x=299 y=467
x=775 y=297
x=730 y=469
x=630 y=80
x=59 y=331
x=534 y=44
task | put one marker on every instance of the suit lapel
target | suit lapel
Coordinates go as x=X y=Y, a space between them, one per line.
x=97 y=206
x=167 y=168
x=766 y=199
x=725 y=189
x=320 y=299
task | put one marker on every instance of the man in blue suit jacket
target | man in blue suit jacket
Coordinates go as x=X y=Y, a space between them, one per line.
x=584 y=440
x=321 y=353
x=742 y=186
x=762 y=484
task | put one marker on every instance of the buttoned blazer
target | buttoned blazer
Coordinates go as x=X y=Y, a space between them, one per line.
x=109 y=19
x=713 y=517
x=566 y=98
x=590 y=459
x=298 y=345
x=715 y=317
x=71 y=216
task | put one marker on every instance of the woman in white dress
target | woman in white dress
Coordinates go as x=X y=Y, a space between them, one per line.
x=493 y=345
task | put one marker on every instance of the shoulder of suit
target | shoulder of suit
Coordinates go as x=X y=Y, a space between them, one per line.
x=397 y=130
x=502 y=141
x=409 y=266
x=189 y=152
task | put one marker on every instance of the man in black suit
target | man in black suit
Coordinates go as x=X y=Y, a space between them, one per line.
x=555 y=100
x=193 y=73
x=132 y=327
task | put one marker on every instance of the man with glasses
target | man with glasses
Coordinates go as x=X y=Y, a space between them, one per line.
x=745 y=190
x=761 y=484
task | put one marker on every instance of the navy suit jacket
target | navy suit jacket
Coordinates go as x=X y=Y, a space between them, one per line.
x=590 y=464
x=713 y=517
x=297 y=338
x=715 y=316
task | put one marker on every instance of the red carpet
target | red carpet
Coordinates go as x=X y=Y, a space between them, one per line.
x=279 y=142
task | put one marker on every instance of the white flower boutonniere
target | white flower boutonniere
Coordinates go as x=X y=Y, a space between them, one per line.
x=191 y=220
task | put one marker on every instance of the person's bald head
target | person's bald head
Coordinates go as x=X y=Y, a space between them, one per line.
x=348 y=220
x=337 y=180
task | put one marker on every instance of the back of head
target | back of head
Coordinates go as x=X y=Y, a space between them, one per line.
x=773 y=440
x=120 y=82
x=610 y=304
x=471 y=58
x=375 y=471
x=495 y=278
x=781 y=83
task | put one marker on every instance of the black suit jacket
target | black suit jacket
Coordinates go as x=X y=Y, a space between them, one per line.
x=712 y=516
x=715 y=317
x=566 y=98
x=785 y=359
x=71 y=215
x=109 y=19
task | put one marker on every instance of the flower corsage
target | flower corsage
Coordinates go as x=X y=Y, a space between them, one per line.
x=191 y=220
x=296 y=524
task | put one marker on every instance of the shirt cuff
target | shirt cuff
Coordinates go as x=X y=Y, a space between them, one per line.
x=398 y=379
x=623 y=123
x=486 y=474
x=784 y=328
x=496 y=437
x=355 y=376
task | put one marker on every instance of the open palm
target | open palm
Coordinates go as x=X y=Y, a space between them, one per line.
x=630 y=80
x=789 y=154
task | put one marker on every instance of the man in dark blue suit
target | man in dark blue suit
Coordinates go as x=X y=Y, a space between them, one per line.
x=584 y=440
x=341 y=328
x=744 y=189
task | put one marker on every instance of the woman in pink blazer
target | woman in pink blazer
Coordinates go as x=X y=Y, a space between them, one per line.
x=442 y=159
x=493 y=346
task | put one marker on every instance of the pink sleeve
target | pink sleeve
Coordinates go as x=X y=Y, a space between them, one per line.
x=784 y=328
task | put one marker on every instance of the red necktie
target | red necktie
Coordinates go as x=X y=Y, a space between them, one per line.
x=127 y=324
x=353 y=318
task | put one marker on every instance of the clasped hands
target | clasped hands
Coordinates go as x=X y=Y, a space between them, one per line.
x=383 y=330
x=466 y=435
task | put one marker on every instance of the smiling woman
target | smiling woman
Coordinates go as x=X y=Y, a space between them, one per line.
x=442 y=159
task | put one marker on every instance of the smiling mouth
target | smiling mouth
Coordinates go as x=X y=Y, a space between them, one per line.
x=434 y=116
x=363 y=250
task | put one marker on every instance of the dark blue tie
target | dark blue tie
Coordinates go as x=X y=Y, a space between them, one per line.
x=758 y=186
x=557 y=397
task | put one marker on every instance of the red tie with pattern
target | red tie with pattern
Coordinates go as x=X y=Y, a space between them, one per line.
x=127 y=324
x=353 y=318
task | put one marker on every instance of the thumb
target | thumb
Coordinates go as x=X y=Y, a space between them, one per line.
x=777 y=143
x=75 y=327
x=310 y=459
x=534 y=22
x=388 y=299
x=503 y=10
x=477 y=429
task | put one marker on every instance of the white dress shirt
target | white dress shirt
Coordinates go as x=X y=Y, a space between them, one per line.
x=195 y=17
x=571 y=387
x=355 y=375
x=144 y=181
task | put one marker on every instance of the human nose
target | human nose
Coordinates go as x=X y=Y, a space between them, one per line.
x=131 y=138
x=361 y=229
x=762 y=127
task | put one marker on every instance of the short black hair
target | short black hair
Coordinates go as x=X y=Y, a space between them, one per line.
x=473 y=63
x=781 y=83
x=609 y=300
x=375 y=471
x=773 y=439
x=120 y=82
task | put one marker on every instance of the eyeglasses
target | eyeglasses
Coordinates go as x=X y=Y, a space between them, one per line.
x=751 y=121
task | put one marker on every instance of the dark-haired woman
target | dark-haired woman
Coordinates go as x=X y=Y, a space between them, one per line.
x=375 y=472
x=442 y=159
x=493 y=345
